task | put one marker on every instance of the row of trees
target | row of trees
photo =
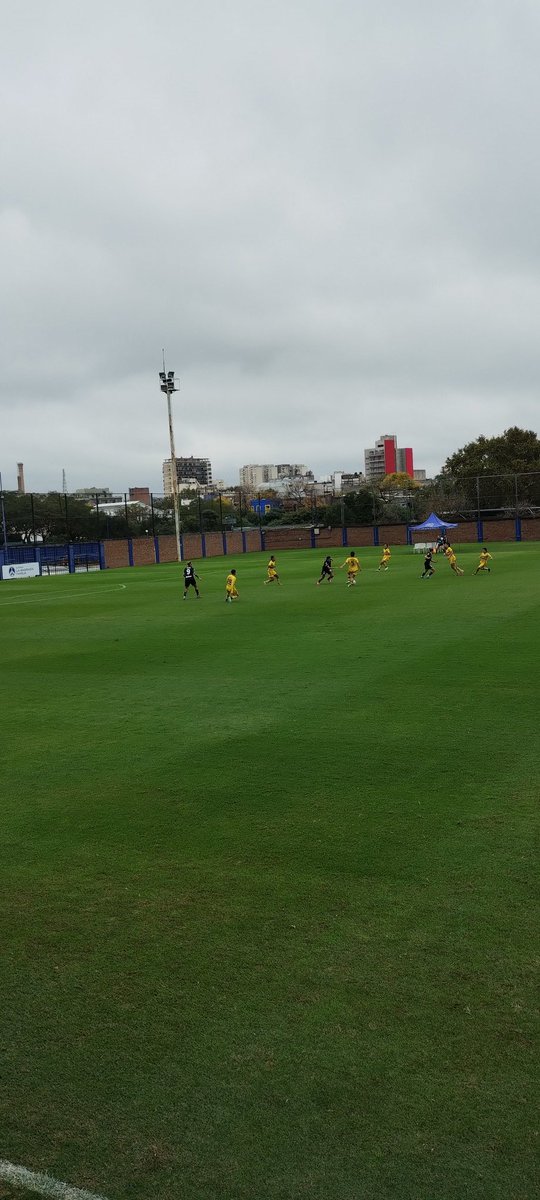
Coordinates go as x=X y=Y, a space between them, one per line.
x=500 y=474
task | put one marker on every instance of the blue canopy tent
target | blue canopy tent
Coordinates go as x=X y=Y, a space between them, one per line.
x=432 y=524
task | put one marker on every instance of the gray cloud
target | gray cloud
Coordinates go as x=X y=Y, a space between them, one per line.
x=327 y=213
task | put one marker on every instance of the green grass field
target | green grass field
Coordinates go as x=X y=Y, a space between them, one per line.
x=268 y=917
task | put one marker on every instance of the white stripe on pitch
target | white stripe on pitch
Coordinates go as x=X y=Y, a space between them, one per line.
x=63 y=595
x=34 y=1181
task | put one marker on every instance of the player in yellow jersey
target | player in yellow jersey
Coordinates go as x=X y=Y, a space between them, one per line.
x=273 y=576
x=453 y=561
x=385 y=560
x=352 y=564
x=485 y=558
x=231 y=592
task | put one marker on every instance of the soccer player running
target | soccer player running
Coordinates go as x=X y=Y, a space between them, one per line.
x=273 y=576
x=485 y=558
x=429 y=569
x=231 y=591
x=385 y=560
x=326 y=570
x=352 y=563
x=453 y=561
x=190 y=581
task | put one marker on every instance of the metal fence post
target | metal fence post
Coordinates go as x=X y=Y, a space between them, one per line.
x=33 y=513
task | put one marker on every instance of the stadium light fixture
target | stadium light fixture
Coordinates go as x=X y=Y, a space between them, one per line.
x=167 y=386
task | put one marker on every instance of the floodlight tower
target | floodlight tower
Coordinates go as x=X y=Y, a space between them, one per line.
x=167 y=386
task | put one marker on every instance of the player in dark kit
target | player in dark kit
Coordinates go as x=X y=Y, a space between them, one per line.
x=429 y=569
x=326 y=571
x=190 y=580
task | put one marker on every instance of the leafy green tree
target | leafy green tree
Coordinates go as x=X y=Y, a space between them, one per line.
x=516 y=452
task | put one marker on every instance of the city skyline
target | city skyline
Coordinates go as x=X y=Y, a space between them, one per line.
x=200 y=469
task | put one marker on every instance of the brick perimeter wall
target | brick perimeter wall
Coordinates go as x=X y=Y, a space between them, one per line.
x=500 y=531
x=192 y=546
x=287 y=539
x=253 y=540
x=329 y=537
x=359 y=535
x=530 y=529
x=395 y=535
x=214 y=544
x=234 y=542
x=144 y=554
x=465 y=532
x=167 y=548
x=116 y=553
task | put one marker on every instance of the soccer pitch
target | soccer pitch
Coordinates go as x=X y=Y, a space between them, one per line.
x=268 y=917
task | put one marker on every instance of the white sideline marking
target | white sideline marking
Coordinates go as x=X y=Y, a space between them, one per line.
x=44 y=1185
x=62 y=595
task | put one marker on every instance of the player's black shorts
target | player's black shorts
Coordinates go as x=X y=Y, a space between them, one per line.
x=190 y=583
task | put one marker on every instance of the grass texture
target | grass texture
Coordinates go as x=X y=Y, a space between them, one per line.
x=268 y=916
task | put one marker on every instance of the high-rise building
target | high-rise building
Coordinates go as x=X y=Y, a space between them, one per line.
x=188 y=470
x=290 y=470
x=255 y=475
x=385 y=458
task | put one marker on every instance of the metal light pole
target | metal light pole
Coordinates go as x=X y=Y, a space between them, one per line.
x=4 y=529
x=168 y=387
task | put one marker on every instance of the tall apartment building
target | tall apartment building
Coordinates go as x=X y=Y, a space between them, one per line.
x=188 y=470
x=386 y=457
x=255 y=475
x=290 y=470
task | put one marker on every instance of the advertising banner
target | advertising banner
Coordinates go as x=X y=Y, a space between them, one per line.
x=25 y=570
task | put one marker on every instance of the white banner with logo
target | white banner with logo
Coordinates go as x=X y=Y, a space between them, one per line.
x=25 y=570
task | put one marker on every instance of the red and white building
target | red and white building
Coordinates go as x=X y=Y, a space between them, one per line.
x=386 y=457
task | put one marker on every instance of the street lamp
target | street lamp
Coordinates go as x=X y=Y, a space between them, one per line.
x=167 y=386
x=4 y=529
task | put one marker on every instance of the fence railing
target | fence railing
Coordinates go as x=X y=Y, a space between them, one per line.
x=62 y=518
x=148 y=550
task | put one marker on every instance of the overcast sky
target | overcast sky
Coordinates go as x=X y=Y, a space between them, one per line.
x=327 y=211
